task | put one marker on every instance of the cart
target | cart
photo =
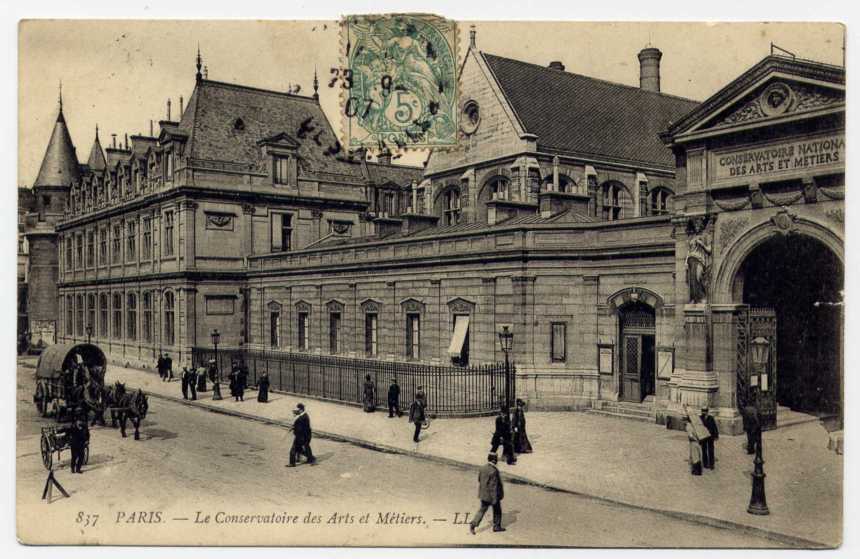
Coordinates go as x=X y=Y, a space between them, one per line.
x=61 y=372
x=55 y=439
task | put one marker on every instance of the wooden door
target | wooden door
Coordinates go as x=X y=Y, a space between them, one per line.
x=631 y=368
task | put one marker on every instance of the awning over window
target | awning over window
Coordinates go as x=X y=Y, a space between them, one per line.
x=461 y=329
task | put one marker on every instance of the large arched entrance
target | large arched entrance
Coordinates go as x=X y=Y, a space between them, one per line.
x=636 y=321
x=801 y=280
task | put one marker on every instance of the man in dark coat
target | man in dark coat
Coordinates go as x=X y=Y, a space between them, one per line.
x=708 y=457
x=502 y=437
x=78 y=434
x=301 y=437
x=417 y=416
x=490 y=492
x=394 y=399
x=752 y=427
x=168 y=367
x=185 y=376
x=192 y=382
x=160 y=366
x=263 y=388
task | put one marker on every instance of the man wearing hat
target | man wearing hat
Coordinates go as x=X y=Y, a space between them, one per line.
x=708 y=457
x=490 y=493
x=78 y=434
x=301 y=437
x=394 y=399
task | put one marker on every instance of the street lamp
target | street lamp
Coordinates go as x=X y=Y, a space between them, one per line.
x=89 y=331
x=760 y=352
x=506 y=340
x=216 y=390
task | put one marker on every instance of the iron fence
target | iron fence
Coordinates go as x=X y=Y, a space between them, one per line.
x=450 y=390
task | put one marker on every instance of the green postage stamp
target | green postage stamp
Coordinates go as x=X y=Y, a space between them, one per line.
x=399 y=81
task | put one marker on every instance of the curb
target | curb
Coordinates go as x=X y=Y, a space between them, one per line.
x=785 y=539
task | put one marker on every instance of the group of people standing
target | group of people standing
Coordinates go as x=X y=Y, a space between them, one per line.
x=165 y=367
x=510 y=433
x=417 y=409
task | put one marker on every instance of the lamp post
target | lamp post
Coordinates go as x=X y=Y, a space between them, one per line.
x=89 y=330
x=760 y=350
x=506 y=340
x=216 y=390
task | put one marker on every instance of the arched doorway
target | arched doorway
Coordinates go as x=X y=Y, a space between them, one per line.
x=801 y=280
x=636 y=322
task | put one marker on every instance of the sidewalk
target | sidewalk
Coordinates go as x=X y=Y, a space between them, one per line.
x=636 y=464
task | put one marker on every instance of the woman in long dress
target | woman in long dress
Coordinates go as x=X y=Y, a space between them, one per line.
x=369 y=395
x=263 y=388
x=522 y=445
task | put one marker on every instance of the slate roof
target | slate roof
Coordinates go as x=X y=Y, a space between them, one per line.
x=116 y=155
x=586 y=116
x=212 y=112
x=96 y=160
x=402 y=175
x=60 y=164
x=140 y=146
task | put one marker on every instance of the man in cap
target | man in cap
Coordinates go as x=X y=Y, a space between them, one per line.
x=708 y=457
x=490 y=492
x=78 y=434
x=394 y=399
x=301 y=437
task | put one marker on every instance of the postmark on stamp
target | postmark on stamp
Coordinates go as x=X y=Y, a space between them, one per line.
x=399 y=81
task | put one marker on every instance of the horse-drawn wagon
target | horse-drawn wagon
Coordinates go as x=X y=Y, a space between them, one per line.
x=68 y=377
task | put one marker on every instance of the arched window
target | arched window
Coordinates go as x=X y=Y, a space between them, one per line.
x=131 y=314
x=103 y=315
x=613 y=201
x=147 y=316
x=169 y=317
x=565 y=184
x=91 y=311
x=79 y=311
x=660 y=201
x=117 y=316
x=452 y=206
x=500 y=188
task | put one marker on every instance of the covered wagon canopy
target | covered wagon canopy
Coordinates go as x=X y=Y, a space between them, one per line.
x=54 y=359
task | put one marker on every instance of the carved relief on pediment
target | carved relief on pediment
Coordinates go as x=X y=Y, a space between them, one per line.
x=778 y=98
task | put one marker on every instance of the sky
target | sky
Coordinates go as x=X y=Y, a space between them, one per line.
x=118 y=74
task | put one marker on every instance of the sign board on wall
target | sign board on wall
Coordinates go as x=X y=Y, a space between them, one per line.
x=605 y=359
x=753 y=162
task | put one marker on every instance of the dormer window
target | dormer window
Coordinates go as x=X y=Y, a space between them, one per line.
x=500 y=189
x=281 y=170
x=452 y=207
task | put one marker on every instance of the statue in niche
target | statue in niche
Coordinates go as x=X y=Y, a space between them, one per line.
x=698 y=261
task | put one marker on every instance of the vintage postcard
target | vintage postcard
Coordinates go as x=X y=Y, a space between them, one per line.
x=402 y=280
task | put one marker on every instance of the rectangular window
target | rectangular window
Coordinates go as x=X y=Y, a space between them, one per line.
x=91 y=248
x=558 y=342
x=458 y=349
x=79 y=251
x=116 y=257
x=147 y=238
x=303 y=331
x=117 y=316
x=275 y=328
x=131 y=317
x=69 y=261
x=147 y=316
x=169 y=317
x=79 y=313
x=168 y=233
x=168 y=158
x=103 y=246
x=413 y=336
x=281 y=170
x=286 y=232
x=131 y=241
x=91 y=312
x=69 y=316
x=103 y=315
x=371 y=334
x=334 y=332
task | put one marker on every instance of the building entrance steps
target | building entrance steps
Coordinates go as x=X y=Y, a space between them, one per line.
x=643 y=411
x=630 y=463
x=785 y=417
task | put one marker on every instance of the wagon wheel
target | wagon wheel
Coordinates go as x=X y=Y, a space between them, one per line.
x=47 y=453
x=40 y=398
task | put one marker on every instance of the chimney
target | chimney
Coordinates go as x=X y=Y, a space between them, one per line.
x=113 y=141
x=126 y=141
x=168 y=109
x=151 y=130
x=181 y=106
x=556 y=65
x=649 y=69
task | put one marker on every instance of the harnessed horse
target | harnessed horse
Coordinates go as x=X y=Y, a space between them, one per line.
x=126 y=405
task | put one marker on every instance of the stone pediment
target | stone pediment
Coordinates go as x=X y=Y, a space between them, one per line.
x=281 y=140
x=777 y=98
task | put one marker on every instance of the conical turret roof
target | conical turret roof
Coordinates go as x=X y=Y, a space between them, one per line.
x=97 y=162
x=60 y=165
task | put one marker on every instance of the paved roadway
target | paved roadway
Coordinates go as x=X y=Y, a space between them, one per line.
x=191 y=464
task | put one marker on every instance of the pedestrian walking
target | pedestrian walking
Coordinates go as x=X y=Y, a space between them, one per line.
x=416 y=416
x=193 y=382
x=522 y=445
x=159 y=365
x=709 y=459
x=394 y=399
x=421 y=395
x=369 y=395
x=490 y=493
x=201 y=378
x=168 y=367
x=79 y=435
x=186 y=375
x=241 y=381
x=695 y=448
x=502 y=437
x=263 y=388
x=752 y=427
x=301 y=437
